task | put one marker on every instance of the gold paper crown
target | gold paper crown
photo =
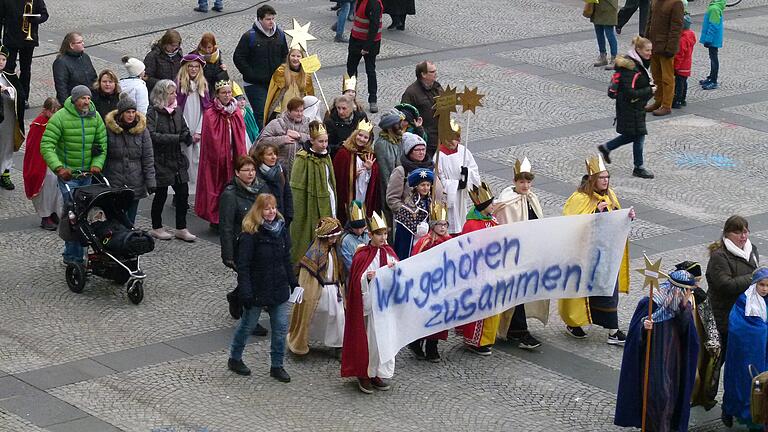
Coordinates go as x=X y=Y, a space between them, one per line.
x=236 y=90
x=480 y=195
x=522 y=167
x=349 y=83
x=316 y=131
x=220 y=84
x=438 y=212
x=365 y=126
x=356 y=212
x=376 y=222
x=595 y=165
x=455 y=128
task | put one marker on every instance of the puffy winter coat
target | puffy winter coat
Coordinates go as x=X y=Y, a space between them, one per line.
x=74 y=141
x=234 y=203
x=339 y=130
x=169 y=134
x=278 y=186
x=130 y=159
x=728 y=276
x=264 y=271
x=258 y=55
x=711 y=34
x=71 y=70
x=634 y=92
x=136 y=88
x=160 y=66
x=665 y=24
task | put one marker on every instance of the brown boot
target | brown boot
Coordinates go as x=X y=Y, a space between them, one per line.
x=652 y=107
x=662 y=111
x=602 y=60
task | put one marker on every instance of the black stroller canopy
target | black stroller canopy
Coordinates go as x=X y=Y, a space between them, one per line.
x=111 y=199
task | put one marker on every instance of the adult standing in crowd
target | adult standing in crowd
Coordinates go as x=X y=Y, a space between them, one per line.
x=388 y=149
x=134 y=84
x=604 y=20
x=288 y=132
x=421 y=94
x=272 y=174
x=664 y=29
x=235 y=201
x=365 y=43
x=260 y=51
x=72 y=66
x=40 y=183
x=12 y=127
x=215 y=70
x=343 y=11
x=170 y=135
x=130 y=158
x=106 y=92
x=163 y=61
x=20 y=37
x=732 y=259
x=398 y=10
x=202 y=6
x=75 y=143
x=342 y=122
x=629 y=9
x=288 y=81
x=193 y=99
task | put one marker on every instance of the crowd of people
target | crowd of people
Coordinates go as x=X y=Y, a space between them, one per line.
x=309 y=205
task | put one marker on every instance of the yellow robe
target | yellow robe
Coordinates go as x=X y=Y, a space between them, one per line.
x=278 y=94
x=575 y=312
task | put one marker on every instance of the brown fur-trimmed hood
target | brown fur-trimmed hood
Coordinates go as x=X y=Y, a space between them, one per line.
x=111 y=122
x=625 y=62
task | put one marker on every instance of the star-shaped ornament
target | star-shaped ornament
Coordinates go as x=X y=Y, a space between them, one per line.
x=423 y=174
x=470 y=99
x=446 y=101
x=651 y=272
x=300 y=35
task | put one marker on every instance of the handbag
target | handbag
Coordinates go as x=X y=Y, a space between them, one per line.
x=589 y=9
x=758 y=401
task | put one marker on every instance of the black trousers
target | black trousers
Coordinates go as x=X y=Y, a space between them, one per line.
x=25 y=62
x=353 y=60
x=626 y=12
x=161 y=194
x=518 y=327
x=681 y=88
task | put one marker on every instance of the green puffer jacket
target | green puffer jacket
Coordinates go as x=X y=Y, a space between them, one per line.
x=70 y=138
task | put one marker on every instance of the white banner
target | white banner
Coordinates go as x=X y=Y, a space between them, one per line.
x=486 y=272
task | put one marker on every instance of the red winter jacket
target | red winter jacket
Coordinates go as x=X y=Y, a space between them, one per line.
x=684 y=56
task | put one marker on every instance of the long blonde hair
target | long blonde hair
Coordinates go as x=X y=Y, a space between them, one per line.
x=302 y=79
x=253 y=219
x=183 y=79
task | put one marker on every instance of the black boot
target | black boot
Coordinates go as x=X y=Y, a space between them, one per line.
x=416 y=348
x=401 y=23
x=279 y=374
x=432 y=354
x=395 y=22
x=238 y=367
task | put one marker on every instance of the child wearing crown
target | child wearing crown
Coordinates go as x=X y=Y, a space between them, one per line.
x=355 y=235
x=360 y=357
x=595 y=196
x=313 y=187
x=357 y=172
x=457 y=170
x=518 y=203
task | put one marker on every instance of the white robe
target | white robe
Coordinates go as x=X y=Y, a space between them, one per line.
x=327 y=324
x=49 y=199
x=375 y=367
x=449 y=173
x=193 y=116
x=8 y=126
x=361 y=183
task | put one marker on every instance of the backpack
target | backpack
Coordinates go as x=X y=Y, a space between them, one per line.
x=613 y=87
x=252 y=36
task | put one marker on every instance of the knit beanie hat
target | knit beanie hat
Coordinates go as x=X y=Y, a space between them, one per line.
x=80 y=91
x=686 y=21
x=134 y=66
x=390 y=118
x=410 y=141
x=125 y=103
x=410 y=112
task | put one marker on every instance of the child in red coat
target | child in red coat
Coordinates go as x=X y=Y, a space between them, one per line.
x=683 y=61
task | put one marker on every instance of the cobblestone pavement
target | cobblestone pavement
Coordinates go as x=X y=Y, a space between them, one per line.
x=94 y=362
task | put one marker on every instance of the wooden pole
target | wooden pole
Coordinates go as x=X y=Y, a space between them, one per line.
x=647 y=357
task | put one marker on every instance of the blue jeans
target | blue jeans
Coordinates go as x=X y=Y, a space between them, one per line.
x=257 y=97
x=131 y=211
x=278 y=320
x=203 y=4
x=343 y=11
x=605 y=31
x=73 y=251
x=714 y=64
x=637 y=146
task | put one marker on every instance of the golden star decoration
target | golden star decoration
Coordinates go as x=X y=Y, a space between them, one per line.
x=470 y=99
x=652 y=273
x=300 y=35
x=446 y=101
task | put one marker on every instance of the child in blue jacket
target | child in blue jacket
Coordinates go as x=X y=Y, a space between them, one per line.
x=712 y=39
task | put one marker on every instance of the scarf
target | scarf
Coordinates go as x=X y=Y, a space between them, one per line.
x=394 y=138
x=632 y=53
x=172 y=107
x=410 y=165
x=755 y=304
x=742 y=253
x=210 y=58
x=447 y=151
x=270 y=33
x=273 y=227
x=250 y=188
x=715 y=11
x=229 y=109
x=128 y=126
x=270 y=172
x=173 y=54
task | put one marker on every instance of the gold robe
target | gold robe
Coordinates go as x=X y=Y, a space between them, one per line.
x=278 y=94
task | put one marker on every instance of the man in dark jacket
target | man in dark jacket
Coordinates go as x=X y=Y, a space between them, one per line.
x=260 y=51
x=626 y=12
x=365 y=43
x=421 y=94
x=664 y=30
x=21 y=39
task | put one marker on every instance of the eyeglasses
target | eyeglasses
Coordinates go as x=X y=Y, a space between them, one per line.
x=247 y=170
x=604 y=177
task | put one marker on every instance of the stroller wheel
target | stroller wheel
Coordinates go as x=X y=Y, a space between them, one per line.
x=76 y=277
x=136 y=291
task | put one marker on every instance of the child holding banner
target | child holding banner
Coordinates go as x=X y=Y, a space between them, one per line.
x=595 y=196
x=360 y=357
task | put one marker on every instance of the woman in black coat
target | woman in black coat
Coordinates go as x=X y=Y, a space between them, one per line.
x=265 y=279
x=169 y=132
x=635 y=88
x=215 y=70
x=398 y=10
x=73 y=67
x=163 y=61
x=106 y=93
x=272 y=175
x=341 y=121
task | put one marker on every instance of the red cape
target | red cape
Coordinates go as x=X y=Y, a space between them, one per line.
x=346 y=175
x=469 y=226
x=217 y=157
x=34 y=169
x=426 y=243
x=354 y=351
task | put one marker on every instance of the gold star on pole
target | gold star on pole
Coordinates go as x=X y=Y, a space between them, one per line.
x=652 y=273
x=300 y=35
x=470 y=99
x=446 y=102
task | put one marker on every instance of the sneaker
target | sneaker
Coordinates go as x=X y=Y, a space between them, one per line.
x=160 y=234
x=431 y=351
x=184 y=234
x=704 y=81
x=709 y=86
x=677 y=105
x=199 y=9
x=373 y=107
x=217 y=8
x=528 y=342
x=7 y=184
x=683 y=103
x=279 y=374
x=365 y=386
x=259 y=330
x=576 y=332
x=602 y=60
x=642 y=173
x=238 y=367
x=617 y=338
x=605 y=152
x=484 y=350
x=380 y=384
x=48 y=224
x=340 y=39
x=417 y=350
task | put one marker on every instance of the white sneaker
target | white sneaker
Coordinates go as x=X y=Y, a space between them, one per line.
x=160 y=234
x=185 y=235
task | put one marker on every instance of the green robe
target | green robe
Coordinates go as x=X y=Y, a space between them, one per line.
x=312 y=199
x=251 y=128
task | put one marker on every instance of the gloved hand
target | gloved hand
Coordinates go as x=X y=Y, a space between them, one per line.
x=95 y=170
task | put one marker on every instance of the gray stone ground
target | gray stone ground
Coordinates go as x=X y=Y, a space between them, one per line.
x=94 y=362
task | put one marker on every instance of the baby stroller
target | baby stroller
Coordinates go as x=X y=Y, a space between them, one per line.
x=113 y=246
